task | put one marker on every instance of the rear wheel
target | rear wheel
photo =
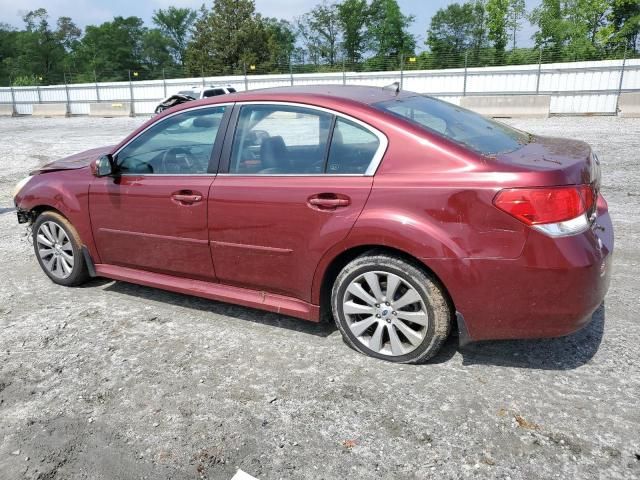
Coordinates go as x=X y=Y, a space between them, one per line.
x=390 y=309
x=58 y=250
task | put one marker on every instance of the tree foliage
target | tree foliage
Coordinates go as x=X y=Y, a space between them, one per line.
x=176 y=24
x=230 y=37
x=497 y=18
x=453 y=33
x=320 y=32
x=353 y=16
x=388 y=29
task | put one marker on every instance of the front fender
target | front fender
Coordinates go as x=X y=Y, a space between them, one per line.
x=66 y=191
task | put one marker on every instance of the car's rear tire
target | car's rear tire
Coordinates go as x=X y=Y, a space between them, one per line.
x=390 y=309
x=58 y=249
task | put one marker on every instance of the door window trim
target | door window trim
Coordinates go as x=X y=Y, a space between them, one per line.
x=214 y=161
x=225 y=161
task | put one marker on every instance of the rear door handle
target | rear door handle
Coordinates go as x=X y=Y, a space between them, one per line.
x=328 y=201
x=184 y=197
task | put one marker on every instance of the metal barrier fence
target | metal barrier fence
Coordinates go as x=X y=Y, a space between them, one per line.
x=591 y=87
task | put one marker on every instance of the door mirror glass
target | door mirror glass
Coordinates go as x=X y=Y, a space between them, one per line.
x=104 y=166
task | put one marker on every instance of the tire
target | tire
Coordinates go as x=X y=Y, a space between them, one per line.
x=58 y=249
x=396 y=331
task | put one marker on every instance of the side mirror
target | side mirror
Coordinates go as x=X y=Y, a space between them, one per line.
x=105 y=166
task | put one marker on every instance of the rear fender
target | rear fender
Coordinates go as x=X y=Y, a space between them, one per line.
x=412 y=236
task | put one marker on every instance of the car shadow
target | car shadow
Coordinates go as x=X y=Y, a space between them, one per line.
x=564 y=353
x=322 y=329
x=6 y=210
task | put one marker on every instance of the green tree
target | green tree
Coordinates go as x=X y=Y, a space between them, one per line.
x=320 y=29
x=497 y=16
x=353 y=17
x=552 y=28
x=478 y=32
x=8 y=47
x=281 y=42
x=227 y=38
x=624 y=19
x=176 y=24
x=112 y=48
x=39 y=49
x=156 y=52
x=388 y=29
x=451 y=34
x=67 y=33
x=515 y=13
x=571 y=29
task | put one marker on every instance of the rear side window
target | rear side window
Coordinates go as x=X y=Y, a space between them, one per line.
x=462 y=126
x=353 y=148
x=280 y=140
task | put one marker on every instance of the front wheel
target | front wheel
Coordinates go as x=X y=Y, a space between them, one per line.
x=390 y=309
x=58 y=250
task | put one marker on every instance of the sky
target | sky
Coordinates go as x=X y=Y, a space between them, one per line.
x=91 y=12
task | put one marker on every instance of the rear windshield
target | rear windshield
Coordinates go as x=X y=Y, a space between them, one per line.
x=470 y=129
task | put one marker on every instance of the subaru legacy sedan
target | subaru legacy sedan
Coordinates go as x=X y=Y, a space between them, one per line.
x=397 y=215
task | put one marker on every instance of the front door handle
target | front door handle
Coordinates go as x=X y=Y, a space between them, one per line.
x=328 y=201
x=187 y=197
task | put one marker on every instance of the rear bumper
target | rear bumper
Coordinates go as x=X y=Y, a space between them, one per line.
x=551 y=290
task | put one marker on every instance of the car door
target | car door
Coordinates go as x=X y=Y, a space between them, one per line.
x=152 y=214
x=294 y=180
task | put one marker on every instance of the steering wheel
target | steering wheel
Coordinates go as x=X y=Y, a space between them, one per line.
x=171 y=163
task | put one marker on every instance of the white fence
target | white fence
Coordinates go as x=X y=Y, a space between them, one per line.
x=575 y=88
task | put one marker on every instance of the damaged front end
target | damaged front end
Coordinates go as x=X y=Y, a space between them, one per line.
x=24 y=216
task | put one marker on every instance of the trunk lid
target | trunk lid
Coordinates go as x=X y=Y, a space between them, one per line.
x=569 y=161
x=557 y=161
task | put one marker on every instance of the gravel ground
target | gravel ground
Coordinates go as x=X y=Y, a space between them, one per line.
x=116 y=381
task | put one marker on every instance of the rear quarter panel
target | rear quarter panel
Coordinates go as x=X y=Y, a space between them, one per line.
x=434 y=200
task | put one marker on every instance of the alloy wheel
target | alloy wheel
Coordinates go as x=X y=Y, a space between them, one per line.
x=55 y=249
x=385 y=313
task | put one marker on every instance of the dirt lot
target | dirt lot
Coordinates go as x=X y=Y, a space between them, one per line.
x=115 y=381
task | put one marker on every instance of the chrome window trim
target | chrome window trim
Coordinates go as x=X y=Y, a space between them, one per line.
x=153 y=124
x=167 y=174
x=373 y=164
x=293 y=175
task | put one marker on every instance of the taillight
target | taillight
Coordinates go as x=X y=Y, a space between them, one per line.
x=557 y=211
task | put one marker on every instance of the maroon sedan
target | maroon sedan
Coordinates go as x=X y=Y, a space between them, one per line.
x=397 y=214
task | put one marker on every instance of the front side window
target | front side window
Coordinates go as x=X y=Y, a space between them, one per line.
x=280 y=139
x=470 y=129
x=178 y=145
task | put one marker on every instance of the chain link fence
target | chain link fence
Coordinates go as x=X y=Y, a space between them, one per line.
x=590 y=83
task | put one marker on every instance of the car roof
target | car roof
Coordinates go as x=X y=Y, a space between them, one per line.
x=311 y=93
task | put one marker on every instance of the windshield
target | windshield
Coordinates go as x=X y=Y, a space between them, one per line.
x=189 y=93
x=470 y=129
